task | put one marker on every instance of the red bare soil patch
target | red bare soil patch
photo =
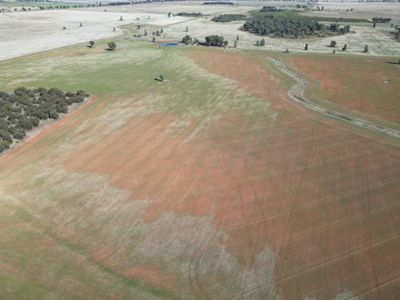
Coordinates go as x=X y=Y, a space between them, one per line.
x=325 y=199
x=259 y=82
x=366 y=85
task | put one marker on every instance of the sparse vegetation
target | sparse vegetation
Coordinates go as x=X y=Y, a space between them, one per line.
x=23 y=109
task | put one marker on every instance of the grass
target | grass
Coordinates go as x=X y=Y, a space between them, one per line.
x=210 y=183
x=121 y=81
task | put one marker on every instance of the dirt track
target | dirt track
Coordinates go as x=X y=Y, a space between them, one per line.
x=296 y=93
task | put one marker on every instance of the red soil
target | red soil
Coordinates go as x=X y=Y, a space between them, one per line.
x=365 y=85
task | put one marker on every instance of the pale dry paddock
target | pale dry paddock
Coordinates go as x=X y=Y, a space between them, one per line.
x=24 y=33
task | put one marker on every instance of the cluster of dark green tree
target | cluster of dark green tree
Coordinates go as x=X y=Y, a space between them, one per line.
x=216 y=41
x=188 y=40
x=211 y=40
x=229 y=18
x=23 y=109
x=192 y=14
x=290 y=25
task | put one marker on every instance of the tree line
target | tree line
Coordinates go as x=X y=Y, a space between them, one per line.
x=210 y=41
x=229 y=18
x=217 y=3
x=23 y=109
x=192 y=14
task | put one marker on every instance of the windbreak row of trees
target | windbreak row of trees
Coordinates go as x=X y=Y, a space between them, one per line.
x=187 y=14
x=229 y=18
x=287 y=25
x=23 y=110
x=381 y=20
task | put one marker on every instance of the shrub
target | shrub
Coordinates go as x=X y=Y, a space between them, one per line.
x=111 y=46
x=187 y=40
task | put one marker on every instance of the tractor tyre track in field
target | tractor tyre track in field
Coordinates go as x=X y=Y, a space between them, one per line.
x=202 y=289
x=287 y=234
x=296 y=93
x=367 y=221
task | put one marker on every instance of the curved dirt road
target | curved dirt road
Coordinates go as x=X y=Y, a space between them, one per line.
x=296 y=93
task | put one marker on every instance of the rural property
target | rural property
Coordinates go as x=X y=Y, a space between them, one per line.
x=199 y=150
